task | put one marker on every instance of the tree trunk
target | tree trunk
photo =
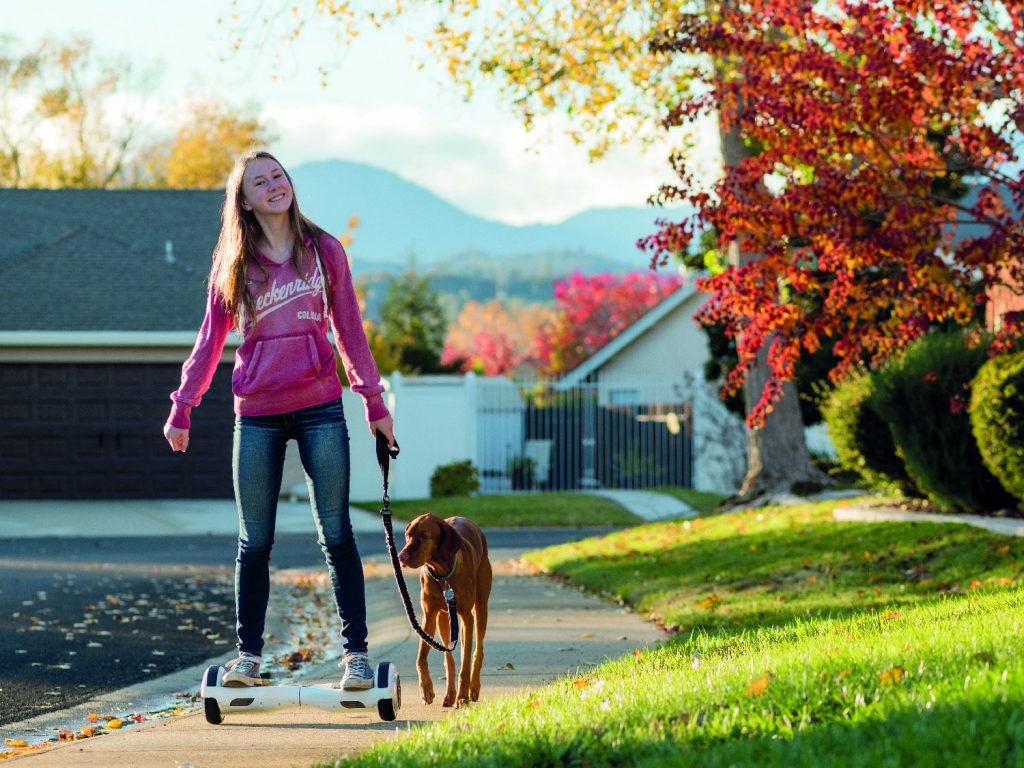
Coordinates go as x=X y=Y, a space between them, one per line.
x=778 y=462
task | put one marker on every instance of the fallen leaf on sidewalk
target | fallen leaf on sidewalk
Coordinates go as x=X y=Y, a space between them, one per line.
x=15 y=743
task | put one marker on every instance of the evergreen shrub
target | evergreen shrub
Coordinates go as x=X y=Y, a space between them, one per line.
x=997 y=419
x=862 y=438
x=924 y=395
x=460 y=478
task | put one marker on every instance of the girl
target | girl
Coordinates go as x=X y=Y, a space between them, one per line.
x=279 y=279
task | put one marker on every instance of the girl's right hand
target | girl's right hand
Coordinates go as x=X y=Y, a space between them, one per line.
x=178 y=438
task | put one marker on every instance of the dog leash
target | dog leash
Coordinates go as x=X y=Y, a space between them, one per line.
x=384 y=455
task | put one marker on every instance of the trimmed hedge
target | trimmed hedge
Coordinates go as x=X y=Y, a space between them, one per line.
x=997 y=419
x=923 y=395
x=862 y=438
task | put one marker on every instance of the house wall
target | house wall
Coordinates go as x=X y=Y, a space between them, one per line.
x=674 y=346
x=1002 y=298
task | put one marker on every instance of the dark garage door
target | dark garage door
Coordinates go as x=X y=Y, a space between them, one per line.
x=94 y=431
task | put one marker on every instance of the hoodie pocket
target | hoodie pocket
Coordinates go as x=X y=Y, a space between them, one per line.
x=280 y=363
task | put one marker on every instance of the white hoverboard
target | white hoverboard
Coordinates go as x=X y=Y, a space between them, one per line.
x=219 y=700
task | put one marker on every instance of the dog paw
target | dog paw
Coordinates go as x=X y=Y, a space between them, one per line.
x=461 y=703
x=427 y=694
x=449 y=699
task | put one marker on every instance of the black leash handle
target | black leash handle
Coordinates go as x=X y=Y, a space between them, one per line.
x=384 y=455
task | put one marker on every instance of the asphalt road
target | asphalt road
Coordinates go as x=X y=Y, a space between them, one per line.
x=84 y=616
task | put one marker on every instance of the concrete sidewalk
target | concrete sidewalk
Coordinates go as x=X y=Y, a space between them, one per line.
x=648 y=505
x=538 y=631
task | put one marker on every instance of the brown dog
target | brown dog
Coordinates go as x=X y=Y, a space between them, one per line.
x=457 y=549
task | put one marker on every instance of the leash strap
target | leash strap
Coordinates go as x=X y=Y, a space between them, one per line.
x=384 y=454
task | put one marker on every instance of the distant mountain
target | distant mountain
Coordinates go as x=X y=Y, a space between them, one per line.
x=398 y=217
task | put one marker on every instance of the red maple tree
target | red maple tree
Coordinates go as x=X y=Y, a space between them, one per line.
x=594 y=309
x=494 y=338
x=874 y=130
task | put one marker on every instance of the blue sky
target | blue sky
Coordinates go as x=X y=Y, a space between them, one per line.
x=376 y=108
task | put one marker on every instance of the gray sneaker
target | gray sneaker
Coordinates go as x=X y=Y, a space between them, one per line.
x=358 y=674
x=243 y=671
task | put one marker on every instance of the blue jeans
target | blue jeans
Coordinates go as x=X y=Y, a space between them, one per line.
x=257 y=464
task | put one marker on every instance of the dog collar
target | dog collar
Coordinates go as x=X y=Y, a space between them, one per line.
x=448 y=575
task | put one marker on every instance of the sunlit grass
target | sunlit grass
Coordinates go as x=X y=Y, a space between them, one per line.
x=770 y=566
x=807 y=642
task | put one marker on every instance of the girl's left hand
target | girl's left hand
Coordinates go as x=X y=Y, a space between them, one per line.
x=386 y=426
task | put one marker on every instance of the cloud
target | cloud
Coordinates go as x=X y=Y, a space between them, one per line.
x=489 y=167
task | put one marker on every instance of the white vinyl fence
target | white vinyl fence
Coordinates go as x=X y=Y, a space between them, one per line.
x=537 y=435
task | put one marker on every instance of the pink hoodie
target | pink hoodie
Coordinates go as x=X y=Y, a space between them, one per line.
x=285 y=361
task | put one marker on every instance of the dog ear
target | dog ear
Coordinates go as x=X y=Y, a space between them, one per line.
x=449 y=542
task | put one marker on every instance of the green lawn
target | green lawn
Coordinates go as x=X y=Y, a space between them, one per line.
x=572 y=510
x=801 y=641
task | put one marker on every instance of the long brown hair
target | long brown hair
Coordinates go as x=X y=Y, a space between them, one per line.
x=239 y=234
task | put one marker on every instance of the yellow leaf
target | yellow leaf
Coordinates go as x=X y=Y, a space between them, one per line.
x=113 y=724
x=581 y=682
x=710 y=602
x=15 y=743
x=892 y=676
x=759 y=686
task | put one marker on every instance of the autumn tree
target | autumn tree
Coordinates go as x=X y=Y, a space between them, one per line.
x=95 y=138
x=70 y=117
x=594 y=309
x=68 y=88
x=19 y=139
x=587 y=60
x=209 y=136
x=494 y=338
x=862 y=122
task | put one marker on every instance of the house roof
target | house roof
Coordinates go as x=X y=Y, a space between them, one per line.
x=645 y=323
x=105 y=260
